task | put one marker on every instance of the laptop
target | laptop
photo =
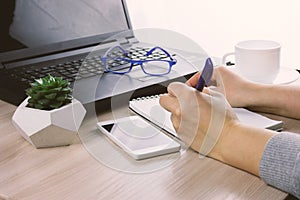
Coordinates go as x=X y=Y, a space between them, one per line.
x=58 y=37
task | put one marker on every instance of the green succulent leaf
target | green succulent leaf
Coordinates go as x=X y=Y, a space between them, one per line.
x=38 y=106
x=56 y=105
x=31 y=100
x=44 y=102
x=60 y=98
x=29 y=91
x=66 y=90
x=48 y=93
x=50 y=96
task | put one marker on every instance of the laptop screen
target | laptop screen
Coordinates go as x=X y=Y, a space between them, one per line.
x=36 y=23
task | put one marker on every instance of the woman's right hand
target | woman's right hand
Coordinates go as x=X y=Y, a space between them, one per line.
x=204 y=120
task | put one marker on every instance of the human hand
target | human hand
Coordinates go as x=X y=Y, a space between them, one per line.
x=238 y=91
x=202 y=119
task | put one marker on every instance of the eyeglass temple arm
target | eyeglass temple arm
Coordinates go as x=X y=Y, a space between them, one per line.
x=154 y=48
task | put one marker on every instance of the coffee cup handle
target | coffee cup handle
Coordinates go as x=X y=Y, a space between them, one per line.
x=225 y=56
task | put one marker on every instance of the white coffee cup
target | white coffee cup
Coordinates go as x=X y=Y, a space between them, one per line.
x=257 y=60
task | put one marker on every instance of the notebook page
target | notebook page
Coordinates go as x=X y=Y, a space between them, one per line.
x=149 y=108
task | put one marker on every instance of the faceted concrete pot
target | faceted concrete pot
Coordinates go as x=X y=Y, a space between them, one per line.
x=52 y=128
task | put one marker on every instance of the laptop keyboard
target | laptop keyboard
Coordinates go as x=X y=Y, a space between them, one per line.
x=77 y=69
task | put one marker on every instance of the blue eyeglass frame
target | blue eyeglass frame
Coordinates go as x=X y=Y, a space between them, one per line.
x=133 y=62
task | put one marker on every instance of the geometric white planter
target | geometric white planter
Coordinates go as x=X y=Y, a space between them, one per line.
x=42 y=128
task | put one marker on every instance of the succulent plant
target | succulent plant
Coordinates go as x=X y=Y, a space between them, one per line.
x=49 y=93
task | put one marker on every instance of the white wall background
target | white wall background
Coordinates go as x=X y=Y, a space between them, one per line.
x=217 y=25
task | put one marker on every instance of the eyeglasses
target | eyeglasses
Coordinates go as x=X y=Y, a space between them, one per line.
x=155 y=62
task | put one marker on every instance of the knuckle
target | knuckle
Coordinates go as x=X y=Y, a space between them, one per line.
x=221 y=68
x=177 y=112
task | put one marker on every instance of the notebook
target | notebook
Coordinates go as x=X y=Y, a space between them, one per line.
x=150 y=109
x=40 y=37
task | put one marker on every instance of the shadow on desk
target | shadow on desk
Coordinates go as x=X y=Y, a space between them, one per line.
x=290 y=197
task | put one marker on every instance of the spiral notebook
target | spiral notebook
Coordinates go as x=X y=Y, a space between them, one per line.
x=150 y=109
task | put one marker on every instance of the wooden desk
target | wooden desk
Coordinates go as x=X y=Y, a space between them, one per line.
x=72 y=173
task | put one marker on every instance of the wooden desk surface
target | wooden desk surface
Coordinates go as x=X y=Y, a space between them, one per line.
x=71 y=172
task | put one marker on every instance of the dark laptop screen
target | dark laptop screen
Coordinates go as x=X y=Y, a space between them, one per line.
x=35 y=23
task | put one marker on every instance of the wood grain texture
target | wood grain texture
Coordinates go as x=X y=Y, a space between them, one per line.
x=71 y=172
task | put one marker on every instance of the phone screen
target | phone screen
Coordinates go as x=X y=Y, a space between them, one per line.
x=137 y=135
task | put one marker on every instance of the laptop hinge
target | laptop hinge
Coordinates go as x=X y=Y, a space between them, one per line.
x=125 y=40
x=122 y=41
x=133 y=40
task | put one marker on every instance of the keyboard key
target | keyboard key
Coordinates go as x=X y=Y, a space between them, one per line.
x=46 y=71
x=67 y=66
x=87 y=67
x=70 y=80
x=55 y=74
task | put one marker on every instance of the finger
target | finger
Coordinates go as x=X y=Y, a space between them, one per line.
x=205 y=90
x=178 y=89
x=193 y=80
x=217 y=70
x=169 y=102
x=173 y=86
x=176 y=122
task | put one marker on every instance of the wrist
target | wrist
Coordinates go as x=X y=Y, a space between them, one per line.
x=243 y=147
x=220 y=151
x=254 y=93
x=261 y=97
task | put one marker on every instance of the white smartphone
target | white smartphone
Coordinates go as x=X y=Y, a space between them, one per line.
x=138 y=138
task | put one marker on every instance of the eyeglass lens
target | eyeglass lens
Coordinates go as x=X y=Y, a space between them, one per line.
x=153 y=64
x=115 y=61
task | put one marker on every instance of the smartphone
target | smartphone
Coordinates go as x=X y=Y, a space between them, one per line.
x=138 y=138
